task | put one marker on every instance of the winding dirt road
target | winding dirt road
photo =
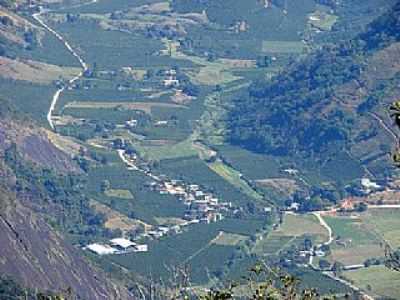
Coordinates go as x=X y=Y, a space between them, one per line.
x=56 y=96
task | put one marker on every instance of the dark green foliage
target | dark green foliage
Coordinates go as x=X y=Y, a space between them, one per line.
x=31 y=99
x=60 y=195
x=283 y=117
x=113 y=49
x=273 y=118
x=383 y=30
x=146 y=204
x=183 y=249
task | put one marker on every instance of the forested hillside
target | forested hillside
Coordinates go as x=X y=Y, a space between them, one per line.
x=34 y=194
x=322 y=104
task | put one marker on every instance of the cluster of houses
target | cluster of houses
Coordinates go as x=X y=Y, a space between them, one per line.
x=116 y=246
x=171 y=80
x=201 y=206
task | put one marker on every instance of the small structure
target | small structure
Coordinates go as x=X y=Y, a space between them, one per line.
x=141 y=248
x=161 y=123
x=101 y=249
x=131 y=123
x=123 y=244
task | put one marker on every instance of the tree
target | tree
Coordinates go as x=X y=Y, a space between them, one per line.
x=307 y=244
x=337 y=268
x=324 y=264
x=105 y=185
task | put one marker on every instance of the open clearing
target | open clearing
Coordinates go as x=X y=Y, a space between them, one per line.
x=210 y=72
x=234 y=178
x=293 y=228
x=283 y=47
x=385 y=222
x=118 y=193
x=178 y=150
x=34 y=71
x=378 y=280
x=116 y=220
x=143 y=106
x=228 y=239
x=355 y=241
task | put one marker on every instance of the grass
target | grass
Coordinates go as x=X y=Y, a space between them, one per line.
x=350 y=228
x=143 y=106
x=362 y=241
x=322 y=20
x=34 y=71
x=146 y=205
x=119 y=193
x=193 y=246
x=178 y=150
x=32 y=99
x=114 y=49
x=209 y=73
x=115 y=220
x=377 y=280
x=252 y=165
x=386 y=222
x=234 y=178
x=285 y=47
x=228 y=239
x=293 y=229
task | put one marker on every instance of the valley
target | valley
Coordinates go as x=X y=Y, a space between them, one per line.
x=184 y=164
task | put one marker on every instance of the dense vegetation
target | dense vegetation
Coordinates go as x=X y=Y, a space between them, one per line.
x=293 y=112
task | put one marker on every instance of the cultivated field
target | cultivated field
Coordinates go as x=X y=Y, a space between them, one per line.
x=143 y=106
x=377 y=281
x=293 y=229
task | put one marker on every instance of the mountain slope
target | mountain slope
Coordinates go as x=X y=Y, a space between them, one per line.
x=331 y=102
x=32 y=252
x=37 y=257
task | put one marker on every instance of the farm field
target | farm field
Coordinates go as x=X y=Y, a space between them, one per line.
x=293 y=229
x=386 y=223
x=197 y=247
x=235 y=178
x=360 y=241
x=145 y=205
x=32 y=99
x=378 y=281
x=160 y=83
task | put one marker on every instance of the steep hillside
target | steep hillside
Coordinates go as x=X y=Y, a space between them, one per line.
x=37 y=257
x=31 y=251
x=334 y=101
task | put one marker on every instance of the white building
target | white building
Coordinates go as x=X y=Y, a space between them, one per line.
x=101 y=249
x=141 y=248
x=122 y=244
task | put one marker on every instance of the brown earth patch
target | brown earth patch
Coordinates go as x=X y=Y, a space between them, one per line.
x=34 y=71
x=116 y=220
x=143 y=106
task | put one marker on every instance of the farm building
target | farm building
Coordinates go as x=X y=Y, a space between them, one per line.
x=123 y=244
x=101 y=249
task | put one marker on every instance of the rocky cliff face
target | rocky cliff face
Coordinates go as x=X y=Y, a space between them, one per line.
x=32 y=252
x=37 y=257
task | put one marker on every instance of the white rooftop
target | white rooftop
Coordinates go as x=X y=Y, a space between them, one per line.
x=101 y=249
x=367 y=183
x=124 y=243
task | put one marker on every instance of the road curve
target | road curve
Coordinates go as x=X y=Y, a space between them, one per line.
x=326 y=226
x=83 y=64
